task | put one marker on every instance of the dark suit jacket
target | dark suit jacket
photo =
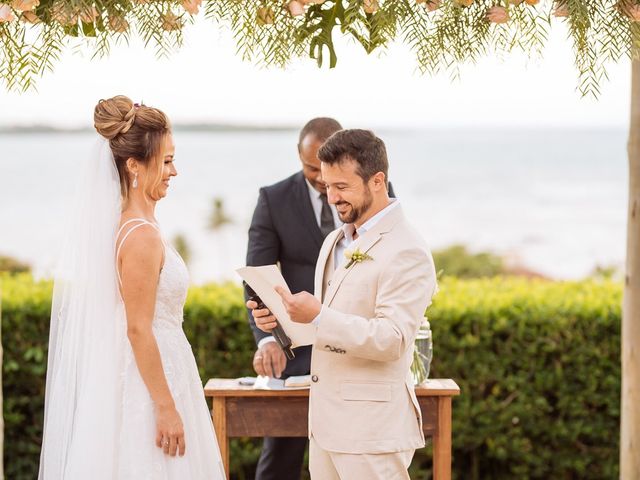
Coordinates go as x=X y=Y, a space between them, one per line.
x=284 y=230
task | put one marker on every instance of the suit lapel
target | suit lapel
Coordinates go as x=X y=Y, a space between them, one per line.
x=325 y=262
x=306 y=209
x=366 y=242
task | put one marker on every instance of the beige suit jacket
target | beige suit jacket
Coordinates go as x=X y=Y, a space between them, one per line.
x=362 y=397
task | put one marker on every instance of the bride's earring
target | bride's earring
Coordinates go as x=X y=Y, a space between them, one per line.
x=135 y=180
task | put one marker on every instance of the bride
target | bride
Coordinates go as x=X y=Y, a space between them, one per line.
x=123 y=396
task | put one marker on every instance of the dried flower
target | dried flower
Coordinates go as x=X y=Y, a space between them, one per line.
x=497 y=14
x=296 y=8
x=264 y=16
x=118 y=24
x=171 y=22
x=6 y=14
x=532 y=2
x=515 y=2
x=370 y=6
x=192 y=6
x=312 y=2
x=25 y=5
x=464 y=3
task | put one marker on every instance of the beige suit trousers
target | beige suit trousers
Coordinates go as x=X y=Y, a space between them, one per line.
x=325 y=465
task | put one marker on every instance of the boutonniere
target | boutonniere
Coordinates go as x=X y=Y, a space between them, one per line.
x=356 y=257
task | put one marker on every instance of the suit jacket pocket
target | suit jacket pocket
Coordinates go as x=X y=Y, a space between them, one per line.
x=373 y=392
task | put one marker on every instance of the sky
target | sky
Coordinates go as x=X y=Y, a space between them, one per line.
x=205 y=82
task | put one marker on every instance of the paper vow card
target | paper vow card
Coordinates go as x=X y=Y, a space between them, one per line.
x=264 y=280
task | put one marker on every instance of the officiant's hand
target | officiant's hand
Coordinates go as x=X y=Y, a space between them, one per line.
x=301 y=307
x=269 y=360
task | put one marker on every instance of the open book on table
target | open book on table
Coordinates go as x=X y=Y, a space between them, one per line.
x=292 y=383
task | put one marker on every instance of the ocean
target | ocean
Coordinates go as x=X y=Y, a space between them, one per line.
x=552 y=201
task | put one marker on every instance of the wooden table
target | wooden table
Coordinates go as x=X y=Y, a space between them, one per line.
x=240 y=411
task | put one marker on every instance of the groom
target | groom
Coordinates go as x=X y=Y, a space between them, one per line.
x=374 y=280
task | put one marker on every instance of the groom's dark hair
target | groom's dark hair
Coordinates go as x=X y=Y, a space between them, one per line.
x=362 y=146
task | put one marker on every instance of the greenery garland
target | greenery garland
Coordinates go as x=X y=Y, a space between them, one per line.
x=442 y=33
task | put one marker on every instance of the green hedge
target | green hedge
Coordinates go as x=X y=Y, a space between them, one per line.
x=538 y=364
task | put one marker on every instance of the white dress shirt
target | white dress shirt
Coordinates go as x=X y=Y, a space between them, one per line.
x=349 y=228
x=347 y=240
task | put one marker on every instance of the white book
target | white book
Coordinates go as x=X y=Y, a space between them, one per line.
x=292 y=383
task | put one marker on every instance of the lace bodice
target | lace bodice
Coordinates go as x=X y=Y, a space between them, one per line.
x=172 y=290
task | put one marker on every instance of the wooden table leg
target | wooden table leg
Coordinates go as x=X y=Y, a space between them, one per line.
x=442 y=441
x=219 y=416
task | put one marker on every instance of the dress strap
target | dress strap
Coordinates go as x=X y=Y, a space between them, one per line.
x=142 y=222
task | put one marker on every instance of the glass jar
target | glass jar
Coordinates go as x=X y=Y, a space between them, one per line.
x=422 y=353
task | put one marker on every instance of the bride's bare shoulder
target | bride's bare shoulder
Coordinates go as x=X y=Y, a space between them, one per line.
x=139 y=238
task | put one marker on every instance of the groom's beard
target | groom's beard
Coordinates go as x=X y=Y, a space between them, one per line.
x=356 y=211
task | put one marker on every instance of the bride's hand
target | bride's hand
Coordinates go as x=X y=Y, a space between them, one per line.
x=169 y=431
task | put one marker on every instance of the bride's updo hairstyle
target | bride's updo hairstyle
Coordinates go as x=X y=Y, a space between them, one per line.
x=134 y=131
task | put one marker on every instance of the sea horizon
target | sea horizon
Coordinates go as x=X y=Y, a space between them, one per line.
x=550 y=200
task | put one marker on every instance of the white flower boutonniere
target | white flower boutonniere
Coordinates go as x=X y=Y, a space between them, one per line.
x=356 y=257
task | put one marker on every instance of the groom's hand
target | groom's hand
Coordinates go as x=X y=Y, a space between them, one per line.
x=301 y=307
x=269 y=360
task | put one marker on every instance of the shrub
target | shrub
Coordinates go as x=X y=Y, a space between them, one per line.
x=538 y=364
x=457 y=261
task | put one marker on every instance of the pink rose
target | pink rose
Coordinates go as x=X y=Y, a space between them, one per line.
x=192 y=6
x=497 y=14
x=295 y=8
x=118 y=24
x=370 y=6
x=63 y=14
x=89 y=14
x=630 y=9
x=561 y=10
x=29 y=17
x=633 y=12
x=25 y=5
x=6 y=14
x=432 y=5
x=170 y=22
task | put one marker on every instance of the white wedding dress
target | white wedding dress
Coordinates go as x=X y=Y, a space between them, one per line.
x=139 y=458
x=99 y=419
